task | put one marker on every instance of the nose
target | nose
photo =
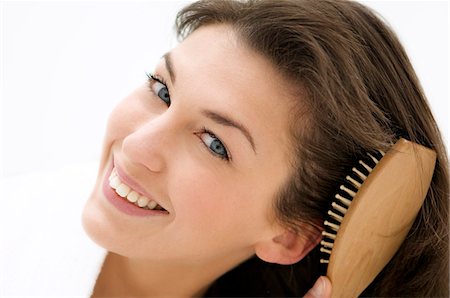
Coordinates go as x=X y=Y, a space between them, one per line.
x=150 y=143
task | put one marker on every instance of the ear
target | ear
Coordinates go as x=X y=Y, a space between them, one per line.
x=288 y=247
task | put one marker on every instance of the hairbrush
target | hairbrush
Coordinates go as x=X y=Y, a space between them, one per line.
x=372 y=213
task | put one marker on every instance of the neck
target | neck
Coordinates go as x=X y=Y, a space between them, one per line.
x=121 y=276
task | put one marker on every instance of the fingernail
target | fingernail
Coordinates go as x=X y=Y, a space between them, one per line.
x=318 y=287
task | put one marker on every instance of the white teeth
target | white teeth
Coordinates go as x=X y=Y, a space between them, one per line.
x=113 y=174
x=142 y=201
x=132 y=196
x=123 y=190
x=114 y=182
x=152 y=204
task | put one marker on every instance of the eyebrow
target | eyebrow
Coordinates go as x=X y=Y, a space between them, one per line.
x=214 y=116
x=169 y=66
x=227 y=121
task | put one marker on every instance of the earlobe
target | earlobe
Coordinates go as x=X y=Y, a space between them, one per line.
x=287 y=248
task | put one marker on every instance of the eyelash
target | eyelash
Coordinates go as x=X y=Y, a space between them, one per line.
x=155 y=78
x=226 y=157
x=152 y=77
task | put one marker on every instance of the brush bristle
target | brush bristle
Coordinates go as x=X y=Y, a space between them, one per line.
x=342 y=201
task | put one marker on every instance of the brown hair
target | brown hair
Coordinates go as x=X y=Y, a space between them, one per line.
x=357 y=92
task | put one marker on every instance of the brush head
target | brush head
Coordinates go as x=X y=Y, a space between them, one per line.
x=372 y=215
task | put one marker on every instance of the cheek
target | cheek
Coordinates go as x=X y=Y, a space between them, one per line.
x=224 y=209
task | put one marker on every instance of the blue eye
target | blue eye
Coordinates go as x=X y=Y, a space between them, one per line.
x=214 y=145
x=159 y=88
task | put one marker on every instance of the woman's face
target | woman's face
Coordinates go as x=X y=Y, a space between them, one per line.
x=209 y=145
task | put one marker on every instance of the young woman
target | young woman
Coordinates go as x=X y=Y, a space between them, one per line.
x=216 y=174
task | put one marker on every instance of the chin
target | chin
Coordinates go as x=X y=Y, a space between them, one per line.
x=95 y=223
x=101 y=227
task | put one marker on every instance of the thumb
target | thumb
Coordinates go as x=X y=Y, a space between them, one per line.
x=321 y=289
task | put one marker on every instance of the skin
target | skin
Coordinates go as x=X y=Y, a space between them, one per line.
x=220 y=212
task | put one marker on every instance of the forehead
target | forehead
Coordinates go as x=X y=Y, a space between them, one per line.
x=216 y=67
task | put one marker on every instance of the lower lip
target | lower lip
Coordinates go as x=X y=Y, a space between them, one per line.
x=122 y=204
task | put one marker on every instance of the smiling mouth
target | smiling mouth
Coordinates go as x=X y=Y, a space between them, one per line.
x=132 y=196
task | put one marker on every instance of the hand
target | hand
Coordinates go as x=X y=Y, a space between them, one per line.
x=321 y=289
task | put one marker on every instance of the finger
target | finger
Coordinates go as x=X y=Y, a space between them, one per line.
x=321 y=289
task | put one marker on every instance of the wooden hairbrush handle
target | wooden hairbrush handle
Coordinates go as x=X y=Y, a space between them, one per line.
x=379 y=217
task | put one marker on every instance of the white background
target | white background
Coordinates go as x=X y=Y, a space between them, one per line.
x=64 y=65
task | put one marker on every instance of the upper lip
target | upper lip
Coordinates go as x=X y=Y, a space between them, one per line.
x=125 y=178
